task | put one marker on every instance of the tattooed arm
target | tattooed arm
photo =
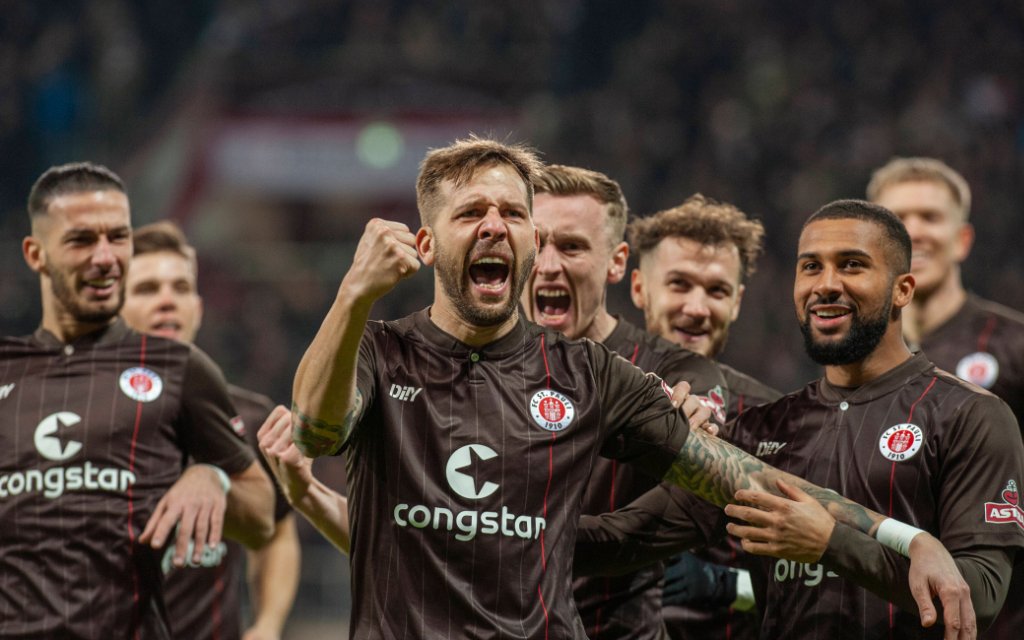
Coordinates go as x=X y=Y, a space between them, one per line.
x=715 y=470
x=326 y=403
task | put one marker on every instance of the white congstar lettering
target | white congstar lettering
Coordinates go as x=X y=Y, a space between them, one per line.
x=810 y=574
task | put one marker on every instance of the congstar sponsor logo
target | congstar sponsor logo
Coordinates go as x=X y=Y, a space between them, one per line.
x=54 y=439
x=809 y=574
x=466 y=473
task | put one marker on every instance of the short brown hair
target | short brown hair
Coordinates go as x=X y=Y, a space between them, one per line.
x=562 y=180
x=705 y=221
x=165 y=236
x=459 y=162
x=899 y=170
x=74 y=177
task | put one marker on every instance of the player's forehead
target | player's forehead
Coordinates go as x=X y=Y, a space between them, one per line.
x=917 y=195
x=682 y=253
x=98 y=211
x=494 y=183
x=831 y=237
x=578 y=215
x=161 y=267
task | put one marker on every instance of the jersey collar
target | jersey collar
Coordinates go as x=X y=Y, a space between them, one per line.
x=111 y=333
x=508 y=343
x=886 y=383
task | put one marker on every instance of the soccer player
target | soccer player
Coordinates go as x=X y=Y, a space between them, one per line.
x=978 y=340
x=96 y=422
x=581 y=218
x=883 y=425
x=471 y=433
x=693 y=260
x=203 y=599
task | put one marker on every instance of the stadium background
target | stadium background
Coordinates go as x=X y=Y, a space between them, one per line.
x=273 y=130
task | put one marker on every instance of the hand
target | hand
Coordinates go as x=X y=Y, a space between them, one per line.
x=692 y=582
x=385 y=256
x=196 y=504
x=293 y=471
x=698 y=415
x=934 y=573
x=794 y=527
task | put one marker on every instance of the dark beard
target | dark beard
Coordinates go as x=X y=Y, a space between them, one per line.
x=864 y=336
x=65 y=294
x=456 y=287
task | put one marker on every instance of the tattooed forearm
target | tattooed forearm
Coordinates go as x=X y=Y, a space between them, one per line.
x=715 y=470
x=315 y=438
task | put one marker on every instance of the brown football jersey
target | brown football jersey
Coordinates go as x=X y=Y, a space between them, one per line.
x=466 y=474
x=94 y=433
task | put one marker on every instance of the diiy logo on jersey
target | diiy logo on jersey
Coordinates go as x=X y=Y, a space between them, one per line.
x=6 y=389
x=55 y=439
x=1007 y=511
x=470 y=472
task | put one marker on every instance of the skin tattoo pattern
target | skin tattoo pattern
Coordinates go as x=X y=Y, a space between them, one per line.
x=715 y=470
x=316 y=437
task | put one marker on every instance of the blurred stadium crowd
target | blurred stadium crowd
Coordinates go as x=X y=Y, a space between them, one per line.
x=777 y=107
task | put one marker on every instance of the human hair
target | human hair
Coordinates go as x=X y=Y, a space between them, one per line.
x=897 y=240
x=74 y=177
x=703 y=220
x=899 y=170
x=164 y=236
x=459 y=162
x=562 y=180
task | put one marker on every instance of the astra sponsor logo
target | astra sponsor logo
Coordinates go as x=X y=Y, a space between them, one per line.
x=1008 y=511
x=53 y=442
x=405 y=394
x=6 y=389
x=769 y=447
x=465 y=471
x=810 y=574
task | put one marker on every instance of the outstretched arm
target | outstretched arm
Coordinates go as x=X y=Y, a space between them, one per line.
x=326 y=403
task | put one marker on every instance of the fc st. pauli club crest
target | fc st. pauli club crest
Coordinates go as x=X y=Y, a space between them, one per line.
x=901 y=441
x=552 y=410
x=141 y=384
x=1007 y=511
x=979 y=368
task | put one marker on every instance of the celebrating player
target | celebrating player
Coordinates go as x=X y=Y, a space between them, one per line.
x=471 y=433
x=96 y=422
x=203 y=599
x=978 y=340
x=581 y=218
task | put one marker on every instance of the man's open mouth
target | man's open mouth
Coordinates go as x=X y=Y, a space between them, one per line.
x=552 y=302
x=489 y=272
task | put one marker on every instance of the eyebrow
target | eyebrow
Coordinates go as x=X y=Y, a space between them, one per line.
x=845 y=253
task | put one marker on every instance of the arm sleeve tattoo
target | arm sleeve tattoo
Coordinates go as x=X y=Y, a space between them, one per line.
x=315 y=437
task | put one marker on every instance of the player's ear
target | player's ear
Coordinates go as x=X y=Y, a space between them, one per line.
x=425 y=245
x=636 y=288
x=34 y=254
x=964 y=241
x=617 y=264
x=903 y=290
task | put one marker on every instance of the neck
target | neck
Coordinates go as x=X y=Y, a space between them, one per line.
x=890 y=353
x=453 y=324
x=929 y=311
x=602 y=326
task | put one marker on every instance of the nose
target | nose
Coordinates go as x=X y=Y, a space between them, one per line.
x=167 y=301
x=492 y=227
x=695 y=304
x=547 y=262
x=914 y=227
x=827 y=284
x=103 y=254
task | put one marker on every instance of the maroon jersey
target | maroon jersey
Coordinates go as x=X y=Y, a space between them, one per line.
x=984 y=344
x=467 y=470
x=204 y=599
x=629 y=606
x=93 y=433
x=713 y=623
x=916 y=444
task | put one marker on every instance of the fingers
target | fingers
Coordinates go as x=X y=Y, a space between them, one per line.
x=761 y=499
x=181 y=545
x=923 y=597
x=279 y=412
x=679 y=394
x=756 y=517
x=793 y=492
x=151 y=524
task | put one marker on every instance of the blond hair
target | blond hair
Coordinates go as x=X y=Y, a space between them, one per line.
x=899 y=170
x=562 y=180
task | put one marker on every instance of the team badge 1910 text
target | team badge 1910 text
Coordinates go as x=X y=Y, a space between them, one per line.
x=141 y=384
x=552 y=410
x=901 y=442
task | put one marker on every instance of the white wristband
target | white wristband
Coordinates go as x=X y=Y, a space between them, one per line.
x=896 y=535
x=225 y=481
